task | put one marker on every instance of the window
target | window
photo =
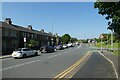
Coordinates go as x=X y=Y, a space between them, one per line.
x=19 y=49
x=6 y=32
x=13 y=33
x=28 y=35
x=35 y=35
x=31 y=35
x=26 y=49
x=4 y=44
x=47 y=38
x=24 y=34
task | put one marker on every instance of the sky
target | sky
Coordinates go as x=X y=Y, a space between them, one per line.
x=79 y=19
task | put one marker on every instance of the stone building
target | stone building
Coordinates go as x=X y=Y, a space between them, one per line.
x=12 y=36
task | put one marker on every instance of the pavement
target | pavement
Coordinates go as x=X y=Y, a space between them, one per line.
x=75 y=62
x=5 y=56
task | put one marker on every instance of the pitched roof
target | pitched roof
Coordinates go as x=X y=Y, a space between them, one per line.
x=8 y=26
x=30 y=31
x=20 y=28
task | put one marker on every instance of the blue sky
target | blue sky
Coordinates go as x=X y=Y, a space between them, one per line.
x=79 y=19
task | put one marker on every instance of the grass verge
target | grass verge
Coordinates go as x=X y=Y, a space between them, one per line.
x=116 y=52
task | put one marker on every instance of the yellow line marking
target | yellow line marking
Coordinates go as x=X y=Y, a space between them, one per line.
x=64 y=73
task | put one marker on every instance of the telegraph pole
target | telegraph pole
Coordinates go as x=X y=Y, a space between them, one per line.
x=107 y=42
x=52 y=35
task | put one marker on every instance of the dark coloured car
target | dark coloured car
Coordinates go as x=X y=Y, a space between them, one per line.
x=47 y=49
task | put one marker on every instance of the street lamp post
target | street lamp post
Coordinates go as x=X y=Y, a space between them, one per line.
x=101 y=36
x=101 y=44
x=107 y=42
x=52 y=41
x=112 y=41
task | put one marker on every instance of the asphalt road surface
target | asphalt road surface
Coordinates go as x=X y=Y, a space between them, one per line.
x=50 y=65
x=96 y=67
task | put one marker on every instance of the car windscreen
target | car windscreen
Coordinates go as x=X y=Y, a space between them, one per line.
x=26 y=49
x=19 y=49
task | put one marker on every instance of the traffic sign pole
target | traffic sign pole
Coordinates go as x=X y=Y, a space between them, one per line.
x=101 y=45
x=101 y=36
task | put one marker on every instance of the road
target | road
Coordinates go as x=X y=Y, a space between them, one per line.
x=74 y=62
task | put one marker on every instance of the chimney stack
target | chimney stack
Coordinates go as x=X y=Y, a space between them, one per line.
x=42 y=30
x=29 y=27
x=8 y=21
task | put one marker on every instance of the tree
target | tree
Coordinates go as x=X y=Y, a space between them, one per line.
x=66 y=38
x=74 y=40
x=33 y=43
x=112 y=12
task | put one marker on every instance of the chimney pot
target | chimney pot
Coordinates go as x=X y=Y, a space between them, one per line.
x=29 y=27
x=42 y=30
x=8 y=21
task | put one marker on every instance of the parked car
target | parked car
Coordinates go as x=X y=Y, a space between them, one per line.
x=65 y=46
x=45 y=49
x=55 y=48
x=70 y=45
x=59 y=47
x=77 y=43
x=23 y=52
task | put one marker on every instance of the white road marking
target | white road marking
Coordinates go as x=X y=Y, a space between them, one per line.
x=78 y=47
x=67 y=51
x=111 y=63
x=53 y=56
x=27 y=63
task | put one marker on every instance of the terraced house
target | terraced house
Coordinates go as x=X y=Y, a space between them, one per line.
x=15 y=36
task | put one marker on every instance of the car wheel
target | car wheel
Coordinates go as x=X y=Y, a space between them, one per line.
x=36 y=54
x=24 y=55
x=54 y=50
x=15 y=58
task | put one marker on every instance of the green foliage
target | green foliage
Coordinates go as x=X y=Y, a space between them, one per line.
x=116 y=52
x=112 y=12
x=107 y=38
x=66 y=38
x=33 y=43
x=97 y=39
x=104 y=45
x=85 y=41
x=74 y=40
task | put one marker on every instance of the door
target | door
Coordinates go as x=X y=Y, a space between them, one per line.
x=27 y=52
